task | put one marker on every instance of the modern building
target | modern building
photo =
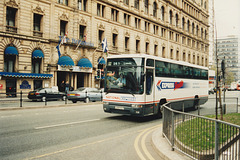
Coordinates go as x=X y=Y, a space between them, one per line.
x=228 y=50
x=30 y=31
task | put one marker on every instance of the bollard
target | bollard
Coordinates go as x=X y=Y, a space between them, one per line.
x=21 y=99
x=45 y=97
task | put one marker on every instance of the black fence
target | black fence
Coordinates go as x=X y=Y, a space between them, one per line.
x=200 y=137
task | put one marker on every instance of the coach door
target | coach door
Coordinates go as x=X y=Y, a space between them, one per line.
x=149 y=92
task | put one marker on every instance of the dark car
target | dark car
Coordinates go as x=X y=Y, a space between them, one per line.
x=46 y=93
x=85 y=94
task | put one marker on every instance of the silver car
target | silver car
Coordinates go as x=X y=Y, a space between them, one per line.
x=85 y=94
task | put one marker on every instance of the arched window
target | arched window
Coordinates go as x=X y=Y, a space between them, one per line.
x=37 y=56
x=183 y=23
x=193 y=28
x=146 y=6
x=162 y=13
x=154 y=9
x=170 y=16
x=188 y=26
x=197 y=30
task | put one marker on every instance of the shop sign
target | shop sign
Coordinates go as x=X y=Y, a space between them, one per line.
x=1 y=86
x=75 y=69
x=25 y=85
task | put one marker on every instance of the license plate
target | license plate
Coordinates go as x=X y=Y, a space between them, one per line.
x=31 y=93
x=119 y=107
x=72 y=94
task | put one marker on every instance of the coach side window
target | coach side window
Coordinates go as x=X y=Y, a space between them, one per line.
x=162 y=69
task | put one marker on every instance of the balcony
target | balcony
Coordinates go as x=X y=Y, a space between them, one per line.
x=37 y=33
x=11 y=29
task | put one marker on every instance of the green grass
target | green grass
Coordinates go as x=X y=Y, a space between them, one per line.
x=199 y=134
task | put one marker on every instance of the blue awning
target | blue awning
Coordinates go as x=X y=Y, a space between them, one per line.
x=37 y=54
x=65 y=61
x=11 y=51
x=85 y=63
x=101 y=61
x=25 y=75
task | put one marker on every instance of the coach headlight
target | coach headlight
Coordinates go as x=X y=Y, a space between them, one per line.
x=136 y=106
x=106 y=103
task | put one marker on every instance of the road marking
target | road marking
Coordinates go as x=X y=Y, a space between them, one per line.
x=80 y=146
x=137 y=146
x=65 y=124
x=10 y=116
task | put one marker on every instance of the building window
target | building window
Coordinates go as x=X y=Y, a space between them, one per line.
x=154 y=9
x=162 y=13
x=63 y=2
x=197 y=30
x=171 y=54
x=100 y=10
x=147 y=48
x=10 y=20
x=114 y=14
x=163 y=52
x=36 y=65
x=146 y=6
x=63 y=27
x=126 y=43
x=193 y=28
x=37 y=25
x=176 y=20
x=100 y=36
x=126 y=2
x=114 y=40
x=183 y=24
x=82 y=32
x=137 y=46
x=155 y=29
x=163 y=32
x=137 y=23
x=9 y=63
x=188 y=26
x=82 y=5
x=147 y=25
x=126 y=19
x=136 y=4
x=155 y=50
x=170 y=17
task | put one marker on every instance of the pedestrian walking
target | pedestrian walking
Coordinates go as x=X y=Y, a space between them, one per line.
x=66 y=87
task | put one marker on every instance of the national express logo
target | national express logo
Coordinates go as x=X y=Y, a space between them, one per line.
x=170 y=85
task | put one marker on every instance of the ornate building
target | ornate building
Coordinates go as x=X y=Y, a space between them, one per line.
x=31 y=30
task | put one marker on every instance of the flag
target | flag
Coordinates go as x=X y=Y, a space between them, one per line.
x=64 y=39
x=58 y=48
x=83 y=39
x=104 y=45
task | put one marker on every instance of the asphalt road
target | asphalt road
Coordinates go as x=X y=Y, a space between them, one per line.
x=82 y=131
x=74 y=132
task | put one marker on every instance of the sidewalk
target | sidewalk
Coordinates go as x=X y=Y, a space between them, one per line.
x=164 y=149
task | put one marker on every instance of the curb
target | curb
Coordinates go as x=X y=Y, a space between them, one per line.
x=48 y=106
x=164 y=149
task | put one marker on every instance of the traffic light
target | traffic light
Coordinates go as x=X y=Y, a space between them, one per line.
x=223 y=68
x=98 y=74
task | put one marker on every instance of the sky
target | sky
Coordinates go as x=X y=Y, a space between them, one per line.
x=227 y=17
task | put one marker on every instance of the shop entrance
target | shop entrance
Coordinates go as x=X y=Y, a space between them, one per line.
x=11 y=87
x=80 y=80
x=37 y=84
x=61 y=76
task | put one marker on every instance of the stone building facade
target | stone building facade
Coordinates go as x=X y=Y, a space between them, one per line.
x=31 y=30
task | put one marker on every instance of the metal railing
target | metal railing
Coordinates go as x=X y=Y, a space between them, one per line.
x=20 y=99
x=200 y=137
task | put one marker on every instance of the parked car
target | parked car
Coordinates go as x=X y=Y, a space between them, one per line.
x=46 y=93
x=85 y=94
